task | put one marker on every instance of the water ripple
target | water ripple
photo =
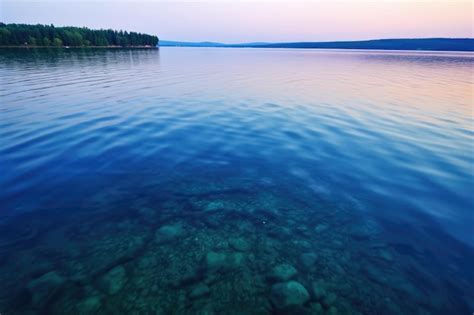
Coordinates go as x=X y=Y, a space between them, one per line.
x=394 y=125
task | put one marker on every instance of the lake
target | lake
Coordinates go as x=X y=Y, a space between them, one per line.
x=236 y=181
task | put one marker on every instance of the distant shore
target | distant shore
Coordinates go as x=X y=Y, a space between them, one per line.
x=414 y=44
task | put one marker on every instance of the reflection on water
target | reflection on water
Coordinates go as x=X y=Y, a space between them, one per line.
x=235 y=181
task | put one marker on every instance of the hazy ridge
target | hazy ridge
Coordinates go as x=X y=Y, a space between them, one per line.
x=436 y=44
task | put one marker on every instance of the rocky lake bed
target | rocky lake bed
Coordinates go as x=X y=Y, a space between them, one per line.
x=222 y=250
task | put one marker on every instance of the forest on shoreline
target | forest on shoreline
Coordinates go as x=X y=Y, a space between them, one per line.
x=51 y=36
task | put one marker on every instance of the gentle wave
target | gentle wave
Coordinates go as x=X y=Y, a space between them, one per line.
x=388 y=133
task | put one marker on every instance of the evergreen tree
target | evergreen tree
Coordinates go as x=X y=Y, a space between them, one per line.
x=49 y=35
x=46 y=41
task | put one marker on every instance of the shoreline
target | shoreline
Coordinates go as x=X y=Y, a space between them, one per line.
x=329 y=49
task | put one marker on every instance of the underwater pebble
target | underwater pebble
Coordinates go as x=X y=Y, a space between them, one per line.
x=168 y=233
x=308 y=260
x=89 y=305
x=239 y=244
x=222 y=245
x=114 y=280
x=199 y=291
x=215 y=205
x=386 y=255
x=214 y=260
x=221 y=261
x=44 y=287
x=319 y=290
x=329 y=300
x=321 y=228
x=283 y=272
x=290 y=293
x=234 y=260
x=316 y=308
x=303 y=230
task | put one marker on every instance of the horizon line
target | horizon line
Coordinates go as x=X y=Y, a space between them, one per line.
x=314 y=41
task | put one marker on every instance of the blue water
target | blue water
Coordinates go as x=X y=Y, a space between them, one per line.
x=205 y=180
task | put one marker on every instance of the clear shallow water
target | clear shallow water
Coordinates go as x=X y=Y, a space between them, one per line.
x=188 y=181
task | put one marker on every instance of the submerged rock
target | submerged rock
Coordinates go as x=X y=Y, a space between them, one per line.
x=215 y=261
x=222 y=261
x=319 y=290
x=386 y=255
x=45 y=287
x=283 y=272
x=89 y=305
x=308 y=260
x=114 y=280
x=235 y=259
x=169 y=233
x=288 y=294
x=321 y=227
x=215 y=205
x=316 y=308
x=329 y=299
x=239 y=244
x=199 y=291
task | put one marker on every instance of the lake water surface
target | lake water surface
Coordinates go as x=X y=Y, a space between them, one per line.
x=236 y=181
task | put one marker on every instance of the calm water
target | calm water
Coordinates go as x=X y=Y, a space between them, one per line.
x=236 y=181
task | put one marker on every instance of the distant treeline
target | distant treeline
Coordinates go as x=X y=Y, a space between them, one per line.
x=435 y=44
x=49 y=35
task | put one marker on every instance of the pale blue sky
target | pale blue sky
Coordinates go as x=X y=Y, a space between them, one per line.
x=247 y=21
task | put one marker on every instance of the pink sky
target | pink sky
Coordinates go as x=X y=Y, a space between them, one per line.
x=247 y=21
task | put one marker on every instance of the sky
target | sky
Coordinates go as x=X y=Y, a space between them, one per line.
x=251 y=21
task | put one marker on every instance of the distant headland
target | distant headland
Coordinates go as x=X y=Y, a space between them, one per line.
x=26 y=35
x=428 y=44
